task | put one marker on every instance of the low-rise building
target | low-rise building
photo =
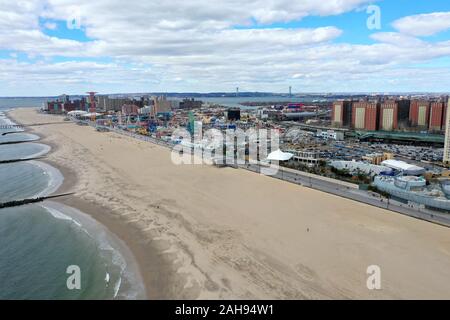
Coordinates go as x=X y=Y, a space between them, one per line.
x=377 y=158
x=404 y=167
x=358 y=167
x=310 y=158
x=331 y=135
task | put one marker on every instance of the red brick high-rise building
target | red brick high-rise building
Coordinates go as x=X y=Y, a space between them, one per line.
x=365 y=115
x=130 y=109
x=419 y=114
x=436 y=116
x=389 y=115
x=394 y=114
x=341 y=114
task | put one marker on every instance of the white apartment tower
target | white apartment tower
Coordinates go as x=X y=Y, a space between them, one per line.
x=447 y=136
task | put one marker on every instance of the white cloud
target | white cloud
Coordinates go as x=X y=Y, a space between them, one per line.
x=194 y=13
x=43 y=78
x=398 y=39
x=50 y=25
x=423 y=24
x=195 y=46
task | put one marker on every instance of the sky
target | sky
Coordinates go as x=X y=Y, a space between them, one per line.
x=51 y=47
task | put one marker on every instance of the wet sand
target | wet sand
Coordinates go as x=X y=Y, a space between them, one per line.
x=203 y=232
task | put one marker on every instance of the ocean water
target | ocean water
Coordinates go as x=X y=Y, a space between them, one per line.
x=22 y=102
x=39 y=242
x=36 y=251
x=17 y=137
x=23 y=151
x=22 y=180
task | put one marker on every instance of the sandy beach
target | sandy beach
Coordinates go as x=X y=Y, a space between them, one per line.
x=201 y=232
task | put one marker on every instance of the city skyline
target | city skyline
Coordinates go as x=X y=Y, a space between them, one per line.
x=52 y=47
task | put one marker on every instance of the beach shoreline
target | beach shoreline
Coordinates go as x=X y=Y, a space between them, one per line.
x=208 y=233
x=138 y=253
x=131 y=284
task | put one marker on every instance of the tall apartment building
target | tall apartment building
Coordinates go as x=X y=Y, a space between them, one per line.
x=341 y=114
x=64 y=98
x=190 y=104
x=419 y=114
x=388 y=115
x=364 y=115
x=447 y=136
x=404 y=107
x=54 y=106
x=444 y=115
x=161 y=104
x=130 y=109
x=437 y=116
x=394 y=114
x=106 y=103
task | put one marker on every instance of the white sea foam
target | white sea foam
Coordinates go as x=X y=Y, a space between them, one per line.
x=45 y=149
x=99 y=238
x=106 y=242
x=59 y=215
x=55 y=178
x=29 y=137
x=117 y=286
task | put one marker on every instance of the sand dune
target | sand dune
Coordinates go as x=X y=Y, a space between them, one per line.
x=228 y=233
